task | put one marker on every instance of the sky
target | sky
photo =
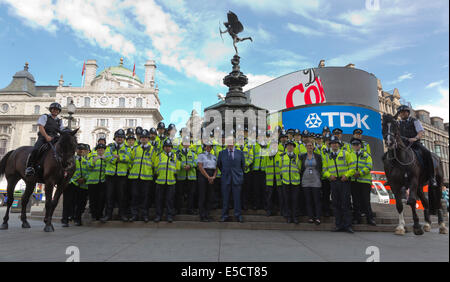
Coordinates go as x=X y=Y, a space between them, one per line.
x=403 y=43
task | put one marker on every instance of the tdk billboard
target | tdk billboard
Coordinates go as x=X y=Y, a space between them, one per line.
x=315 y=117
x=337 y=97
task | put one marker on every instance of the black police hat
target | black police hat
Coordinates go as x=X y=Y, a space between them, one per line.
x=153 y=131
x=139 y=130
x=305 y=133
x=290 y=142
x=131 y=137
x=171 y=126
x=119 y=133
x=357 y=131
x=297 y=131
x=355 y=141
x=130 y=131
x=145 y=133
x=161 y=125
x=80 y=146
x=337 y=131
x=334 y=139
x=291 y=131
x=100 y=146
x=167 y=142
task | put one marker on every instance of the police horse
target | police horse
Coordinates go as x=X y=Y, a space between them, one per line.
x=403 y=170
x=56 y=168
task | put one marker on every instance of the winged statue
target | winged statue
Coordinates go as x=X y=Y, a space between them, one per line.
x=234 y=26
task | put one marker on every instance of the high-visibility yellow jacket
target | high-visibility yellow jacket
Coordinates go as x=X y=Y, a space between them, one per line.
x=290 y=170
x=272 y=166
x=142 y=163
x=339 y=165
x=362 y=162
x=187 y=158
x=81 y=171
x=166 y=168
x=97 y=170
x=117 y=166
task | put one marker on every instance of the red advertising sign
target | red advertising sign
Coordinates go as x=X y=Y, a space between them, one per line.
x=314 y=94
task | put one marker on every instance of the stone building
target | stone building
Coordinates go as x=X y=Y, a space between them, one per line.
x=108 y=100
x=436 y=138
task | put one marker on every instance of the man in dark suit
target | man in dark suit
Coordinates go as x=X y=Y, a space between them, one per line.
x=231 y=163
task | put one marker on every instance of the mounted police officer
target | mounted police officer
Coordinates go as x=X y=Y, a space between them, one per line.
x=49 y=127
x=411 y=131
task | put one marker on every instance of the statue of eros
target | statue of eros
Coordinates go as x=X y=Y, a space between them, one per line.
x=234 y=26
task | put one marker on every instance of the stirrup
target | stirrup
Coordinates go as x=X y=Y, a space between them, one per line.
x=29 y=171
x=433 y=182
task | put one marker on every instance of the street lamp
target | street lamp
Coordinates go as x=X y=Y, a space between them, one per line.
x=71 y=110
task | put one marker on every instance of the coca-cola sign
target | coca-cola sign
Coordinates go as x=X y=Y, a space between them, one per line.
x=310 y=93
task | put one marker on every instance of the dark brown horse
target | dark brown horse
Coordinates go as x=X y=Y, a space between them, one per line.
x=403 y=171
x=57 y=168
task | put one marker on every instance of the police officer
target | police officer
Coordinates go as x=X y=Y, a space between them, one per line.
x=272 y=164
x=117 y=161
x=154 y=139
x=186 y=177
x=79 y=179
x=49 y=127
x=338 y=133
x=326 y=192
x=361 y=182
x=207 y=163
x=138 y=131
x=166 y=165
x=339 y=171
x=282 y=142
x=129 y=145
x=141 y=176
x=290 y=174
x=161 y=129
x=97 y=182
x=325 y=131
x=411 y=131
x=357 y=133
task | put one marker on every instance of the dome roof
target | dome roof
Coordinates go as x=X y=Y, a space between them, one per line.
x=24 y=73
x=121 y=71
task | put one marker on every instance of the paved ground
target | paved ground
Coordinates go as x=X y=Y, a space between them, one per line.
x=212 y=245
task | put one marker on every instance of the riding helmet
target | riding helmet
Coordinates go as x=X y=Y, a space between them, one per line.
x=404 y=108
x=55 y=106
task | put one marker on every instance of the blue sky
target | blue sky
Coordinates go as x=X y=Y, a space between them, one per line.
x=404 y=43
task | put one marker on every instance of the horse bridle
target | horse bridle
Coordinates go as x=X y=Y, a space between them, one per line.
x=395 y=147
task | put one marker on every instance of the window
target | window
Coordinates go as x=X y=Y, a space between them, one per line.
x=131 y=123
x=87 y=101
x=34 y=128
x=101 y=135
x=122 y=102
x=32 y=141
x=102 y=122
x=5 y=129
x=437 y=150
x=139 y=103
x=68 y=100
x=3 y=147
x=37 y=109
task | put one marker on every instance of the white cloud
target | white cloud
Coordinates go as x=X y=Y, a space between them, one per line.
x=304 y=30
x=435 y=84
x=440 y=108
x=38 y=13
x=401 y=78
x=256 y=80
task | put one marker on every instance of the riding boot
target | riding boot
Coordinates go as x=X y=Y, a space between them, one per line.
x=29 y=171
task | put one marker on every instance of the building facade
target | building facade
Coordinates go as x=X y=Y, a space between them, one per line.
x=436 y=137
x=110 y=99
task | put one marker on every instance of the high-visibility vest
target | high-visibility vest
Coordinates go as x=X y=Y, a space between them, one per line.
x=189 y=159
x=363 y=164
x=325 y=154
x=129 y=149
x=365 y=147
x=97 y=170
x=217 y=150
x=272 y=166
x=142 y=163
x=166 y=168
x=290 y=170
x=300 y=148
x=339 y=166
x=155 y=144
x=118 y=166
x=257 y=158
x=281 y=148
x=81 y=171
x=248 y=155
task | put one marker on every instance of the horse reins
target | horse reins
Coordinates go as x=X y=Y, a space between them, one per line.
x=408 y=148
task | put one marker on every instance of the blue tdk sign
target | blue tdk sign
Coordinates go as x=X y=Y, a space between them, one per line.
x=347 y=118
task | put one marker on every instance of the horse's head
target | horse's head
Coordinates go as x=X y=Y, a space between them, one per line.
x=67 y=142
x=390 y=130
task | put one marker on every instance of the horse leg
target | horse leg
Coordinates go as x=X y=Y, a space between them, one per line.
x=400 y=229
x=10 y=190
x=48 y=207
x=25 y=198
x=416 y=227
x=442 y=228
x=426 y=210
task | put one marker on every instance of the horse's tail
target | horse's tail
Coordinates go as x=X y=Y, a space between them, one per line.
x=3 y=163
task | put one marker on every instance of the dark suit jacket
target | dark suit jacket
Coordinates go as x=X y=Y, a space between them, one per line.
x=318 y=158
x=232 y=170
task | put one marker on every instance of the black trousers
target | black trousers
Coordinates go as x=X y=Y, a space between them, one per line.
x=291 y=200
x=97 y=195
x=246 y=189
x=165 y=194
x=128 y=196
x=340 y=194
x=140 y=196
x=301 y=206
x=258 y=191
x=206 y=193
x=68 y=202
x=116 y=190
x=185 y=192
x=217 y=193
x=361 y=200
x=326 y=196
x=81 y=197
x=269 y=194
x=313 y=201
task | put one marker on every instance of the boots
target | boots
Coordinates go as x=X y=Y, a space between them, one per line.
x=29 y=171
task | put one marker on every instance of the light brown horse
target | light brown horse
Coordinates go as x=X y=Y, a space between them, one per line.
x=58 y=167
